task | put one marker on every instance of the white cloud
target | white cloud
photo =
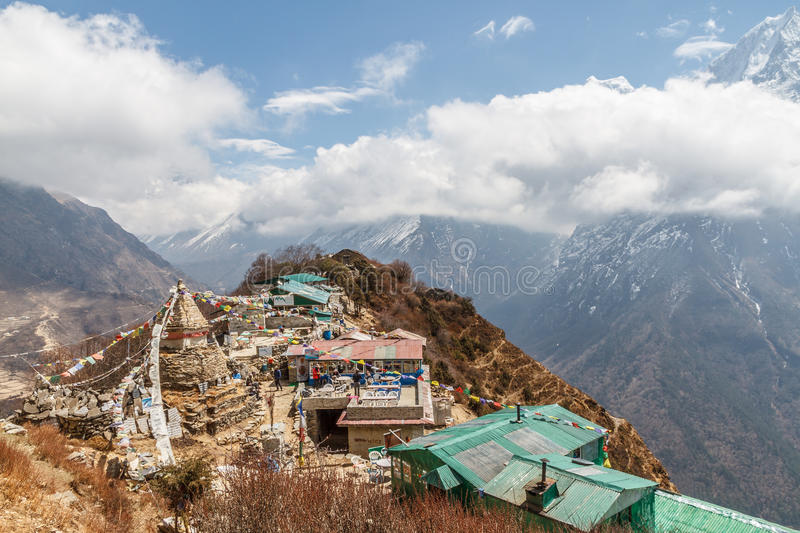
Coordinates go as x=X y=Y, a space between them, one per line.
x=710 y=26
x=641 y=34
x=674 y=29
x=487 y=31
x=328 y=100
x=265 y=147
x=701 y=47
x=550 y=160
x=92 y=106
x=516 y=24
x=385 y=70
x=380 y=74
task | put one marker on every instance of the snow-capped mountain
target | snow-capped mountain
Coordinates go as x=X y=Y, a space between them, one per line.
x=688 y=326
x=218 y=255
x=768 y=55
x=482 y=261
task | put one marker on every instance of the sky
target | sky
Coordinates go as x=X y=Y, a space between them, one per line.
x=175 y=115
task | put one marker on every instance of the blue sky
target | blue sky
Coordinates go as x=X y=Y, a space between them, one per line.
x=268 y=47
x=473 y=110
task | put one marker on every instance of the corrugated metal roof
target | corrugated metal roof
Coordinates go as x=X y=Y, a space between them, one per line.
x=430 y=439
x=497 y=427
x=304 y=277
x=534 y=442
x=509 y=485
x=583 y=505
x=607 y=477
x=299 y=289
x=580 y=503
x=443 y=477
x=486 y=460
x=678 y=513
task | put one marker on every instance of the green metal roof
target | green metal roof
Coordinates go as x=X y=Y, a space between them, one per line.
x=304 y=277
x=300 y=289
x=584 y=499
x=678 y=513
x=539 y=434
x=443 y=477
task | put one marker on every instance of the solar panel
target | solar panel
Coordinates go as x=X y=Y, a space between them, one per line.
x=431 y=439
x=533 y=442
x=586 y=471
x=486 y=460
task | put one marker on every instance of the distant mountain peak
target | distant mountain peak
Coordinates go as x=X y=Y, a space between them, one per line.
x=620 y=83
x=768 y=55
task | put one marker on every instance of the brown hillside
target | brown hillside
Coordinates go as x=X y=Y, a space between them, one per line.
x=463 y=348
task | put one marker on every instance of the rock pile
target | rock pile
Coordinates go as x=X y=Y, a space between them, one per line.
x=79 y=413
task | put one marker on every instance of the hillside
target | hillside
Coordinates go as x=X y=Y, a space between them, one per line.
x=67 y=270
x=687 y=326
x=465 y=350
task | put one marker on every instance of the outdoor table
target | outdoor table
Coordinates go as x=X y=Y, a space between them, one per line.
x=383 y=464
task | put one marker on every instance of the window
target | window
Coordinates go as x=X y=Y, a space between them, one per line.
x=397 y=472
x=589 y=451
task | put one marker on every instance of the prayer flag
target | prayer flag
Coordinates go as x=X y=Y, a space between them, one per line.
x=302 y=414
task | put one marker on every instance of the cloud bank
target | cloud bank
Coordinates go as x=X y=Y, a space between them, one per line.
x=92 y=107
x=550 y=160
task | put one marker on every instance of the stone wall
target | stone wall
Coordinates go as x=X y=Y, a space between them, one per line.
x=361 y=412
x=361 y=438
x=274 y=322
x=186 y=369
x=79 y=413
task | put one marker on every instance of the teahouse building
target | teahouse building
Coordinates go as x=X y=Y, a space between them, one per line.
x=552 y=471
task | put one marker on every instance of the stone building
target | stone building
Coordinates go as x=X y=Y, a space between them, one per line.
x=194 y=373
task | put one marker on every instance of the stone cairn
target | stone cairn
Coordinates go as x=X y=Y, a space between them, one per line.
x=194 y=373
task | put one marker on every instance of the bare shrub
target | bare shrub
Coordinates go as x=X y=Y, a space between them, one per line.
x=254 y=498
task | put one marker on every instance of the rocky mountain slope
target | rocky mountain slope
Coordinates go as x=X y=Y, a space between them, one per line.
x=218 y=255
x=485 y=260
x=686 y=325
x=67 y=270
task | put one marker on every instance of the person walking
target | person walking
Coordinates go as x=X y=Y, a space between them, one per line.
x=277 y=375
x=315 y=376
x=357 y=382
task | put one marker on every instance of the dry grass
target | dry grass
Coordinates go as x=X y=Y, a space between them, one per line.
x=16 y=470
x=50 y=444
x=254 y=499
x=112 y=497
